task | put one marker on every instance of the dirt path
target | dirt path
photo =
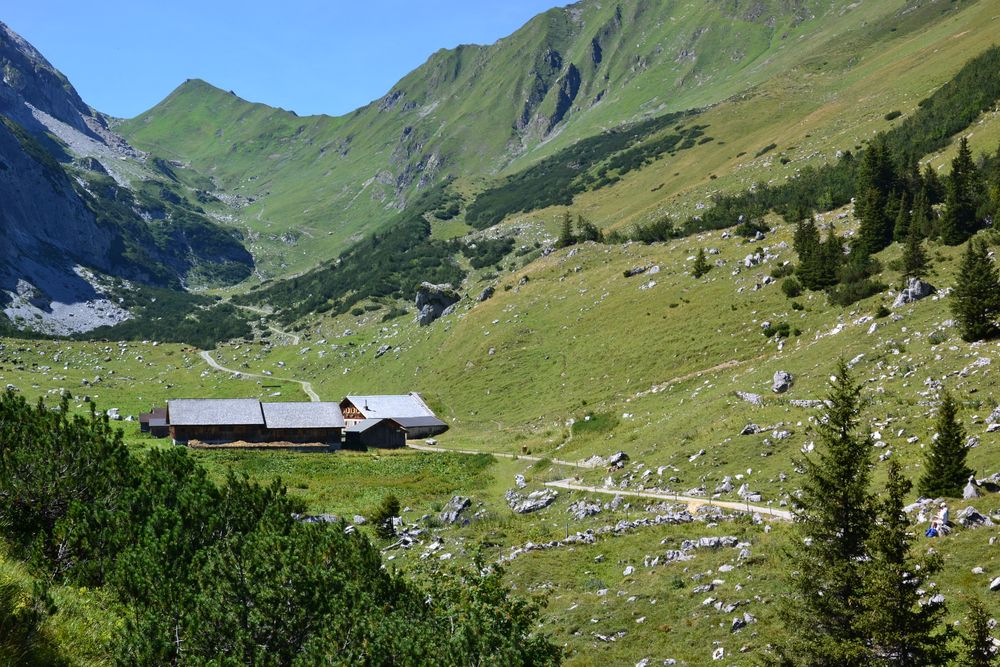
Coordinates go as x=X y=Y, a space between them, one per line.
x=692 y=502
x=306 y=386
x=520 y=457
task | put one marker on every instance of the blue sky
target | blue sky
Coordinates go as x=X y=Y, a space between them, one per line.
x=306 y=55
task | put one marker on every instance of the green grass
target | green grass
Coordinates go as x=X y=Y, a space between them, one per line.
x=348 y=483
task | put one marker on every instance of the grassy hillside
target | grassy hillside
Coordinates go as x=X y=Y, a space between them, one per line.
x=313 y=185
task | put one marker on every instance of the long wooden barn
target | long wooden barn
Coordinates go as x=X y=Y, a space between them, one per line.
x=225 y=420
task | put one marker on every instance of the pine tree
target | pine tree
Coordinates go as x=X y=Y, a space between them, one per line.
x=932 y=185
x=903 y=218
x=959 y=221
x=701 y=265
x=566 y=237
x=876 y=180
x=922 y=218
x=975 y=302
x=915 y=261
x=977 y=641
x=587 y=231
x=834 y=523
x=899 y=629
x=818 y=266
x=806 y=238
x=945 y=471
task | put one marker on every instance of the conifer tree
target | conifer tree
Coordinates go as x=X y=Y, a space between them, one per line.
x=975 y=302
x=818 y=267
x=806 y=238
x=587 y=231
x=945 y=471
x=915 y=261
x=959 y=221
x=899 y=629
x=903 y=218
x=977 y=641
x=922 y=217
x=933 y=186
x=834 y=524
x=566 y=237
x=876 y=179
x=701 y=265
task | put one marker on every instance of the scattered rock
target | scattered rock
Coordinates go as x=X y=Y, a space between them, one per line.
x=635 y=270
x=382 y=350
x=519 y=481
x=971 y=489
x=617 y=460
x=486 y=294
x=752 y=399
x=533 y=502
x=581 y=509
x=970 y=518
x=751 y=429
x=782 y=382
x=915 y=290
x=454 y=508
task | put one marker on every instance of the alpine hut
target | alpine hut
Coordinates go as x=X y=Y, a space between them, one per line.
x=407 y=410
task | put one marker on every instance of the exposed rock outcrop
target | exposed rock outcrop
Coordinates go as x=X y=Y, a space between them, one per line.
x=433 y=301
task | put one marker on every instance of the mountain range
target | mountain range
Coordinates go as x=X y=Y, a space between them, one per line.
x=624 y=111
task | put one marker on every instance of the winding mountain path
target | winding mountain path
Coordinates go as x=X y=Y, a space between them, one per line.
x=306 y=386
x=692 y=502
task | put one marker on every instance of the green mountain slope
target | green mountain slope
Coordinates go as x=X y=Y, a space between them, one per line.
x=313 y=185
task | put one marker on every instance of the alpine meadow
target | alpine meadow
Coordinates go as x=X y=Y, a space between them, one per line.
x=655 y=332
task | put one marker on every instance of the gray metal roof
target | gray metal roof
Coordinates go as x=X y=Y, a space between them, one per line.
x=413 y=422
x=366 y=424
x=303 y=415
x=394 y=406
x=215 y=412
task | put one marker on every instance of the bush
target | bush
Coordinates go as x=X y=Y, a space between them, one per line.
x=781 y=330
x=782 y=271
x=256 y=586
x=791 y=287
x=846 y=294
x=893 y=115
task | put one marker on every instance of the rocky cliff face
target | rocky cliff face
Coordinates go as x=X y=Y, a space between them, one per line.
x=68 y=214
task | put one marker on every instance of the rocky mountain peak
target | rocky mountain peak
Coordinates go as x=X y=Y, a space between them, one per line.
x=29 y=82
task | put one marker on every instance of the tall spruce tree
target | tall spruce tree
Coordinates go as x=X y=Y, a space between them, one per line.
x=876 y=181
x=566 y=237
x=959 y=221
x=975 y=302
x=977 y=641
x=900 y=629
x=915 y=261
x=701 y=265
x=818 y=266
x=806 y=238
x=834 y=524
x=945 y=471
